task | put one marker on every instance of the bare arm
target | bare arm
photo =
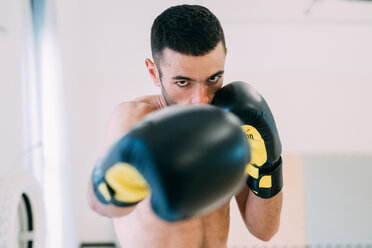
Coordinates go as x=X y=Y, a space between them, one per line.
x=261 y=216
x=121 y=120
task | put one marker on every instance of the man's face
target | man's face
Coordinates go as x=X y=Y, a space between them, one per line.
x=189 y=79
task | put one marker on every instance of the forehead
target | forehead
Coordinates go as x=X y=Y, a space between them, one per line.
x=173 y=62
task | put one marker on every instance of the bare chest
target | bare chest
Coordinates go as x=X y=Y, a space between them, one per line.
x=142 y=228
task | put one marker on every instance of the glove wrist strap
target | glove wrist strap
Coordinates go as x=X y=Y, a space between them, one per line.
x=268 y=183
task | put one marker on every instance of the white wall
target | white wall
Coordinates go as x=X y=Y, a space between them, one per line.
x=314 y=71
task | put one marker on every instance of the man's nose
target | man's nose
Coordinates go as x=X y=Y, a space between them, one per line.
x=200 y=95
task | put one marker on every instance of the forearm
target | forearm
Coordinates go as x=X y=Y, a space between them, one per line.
x=261 y=216
x=106 y=210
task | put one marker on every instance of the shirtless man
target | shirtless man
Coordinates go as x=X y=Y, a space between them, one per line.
x=188 y=49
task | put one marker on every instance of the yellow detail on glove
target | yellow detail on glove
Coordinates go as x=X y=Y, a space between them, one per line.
x=258 y=149
x=252 y=171
x=265 y=182
x=127 y=182
x=102 y=188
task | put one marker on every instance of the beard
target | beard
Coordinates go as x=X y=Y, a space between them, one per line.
x=168 y=100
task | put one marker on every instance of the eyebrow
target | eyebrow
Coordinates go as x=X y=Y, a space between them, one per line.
x=190 y=79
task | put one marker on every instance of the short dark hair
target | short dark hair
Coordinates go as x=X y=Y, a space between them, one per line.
x=187 y=29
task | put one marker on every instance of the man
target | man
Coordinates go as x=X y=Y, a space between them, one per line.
x=189 y=51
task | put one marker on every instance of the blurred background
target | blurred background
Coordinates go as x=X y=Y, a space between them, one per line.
x=64 y=66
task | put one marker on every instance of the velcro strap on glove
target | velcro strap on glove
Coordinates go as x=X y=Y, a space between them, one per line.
x=267 y=182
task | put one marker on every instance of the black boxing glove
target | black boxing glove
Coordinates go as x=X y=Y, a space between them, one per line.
x=192 y=158
x=265 y=168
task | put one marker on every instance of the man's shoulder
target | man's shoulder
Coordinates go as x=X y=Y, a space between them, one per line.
x=154 y=101
x=138 y=107
x=125 y=116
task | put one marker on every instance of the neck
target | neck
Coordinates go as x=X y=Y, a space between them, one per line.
x=160 y=102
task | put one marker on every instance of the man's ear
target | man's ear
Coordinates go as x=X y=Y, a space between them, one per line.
x=153 y=71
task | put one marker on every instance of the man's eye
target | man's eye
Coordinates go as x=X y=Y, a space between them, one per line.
x=214 y=79
x=182 y=83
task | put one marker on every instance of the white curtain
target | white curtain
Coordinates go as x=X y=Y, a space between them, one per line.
x=53 y=168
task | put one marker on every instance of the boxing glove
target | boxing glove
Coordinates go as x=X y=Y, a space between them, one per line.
x=191 y=159
x=264 y=172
